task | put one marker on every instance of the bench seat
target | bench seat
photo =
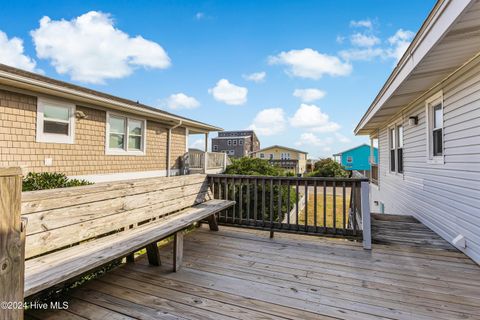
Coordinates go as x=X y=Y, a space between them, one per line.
x=65 y=264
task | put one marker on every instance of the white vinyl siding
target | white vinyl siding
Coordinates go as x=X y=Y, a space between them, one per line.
x=446 y=196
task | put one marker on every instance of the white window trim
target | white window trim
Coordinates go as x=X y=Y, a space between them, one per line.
x=394 y=126
x=52 y=137
x=122 y=152
x=429 y=103
x=391 y=141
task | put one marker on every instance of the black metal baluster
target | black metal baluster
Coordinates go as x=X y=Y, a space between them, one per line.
x=263 y=202
x=334 y=207
x=296 y=207
x=344 y=208
x=234 y=213
x=306 y=205
x=240 y=201
x=315 y=222
x=324 y=206
x=255 y=202
x=288 y=203
x=279 y=204
x=248 y=201
x=271 y=207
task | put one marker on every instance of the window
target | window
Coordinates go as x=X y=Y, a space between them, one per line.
x=231 y=152
x=235 y=142
x=392 y=149
x=262 y=155
x=125 y=135
x=434 y=113
x=55 y=121
x=229 y=142
x=215 y=148
x=240 y=142
x=271 y=156
x=349 y=159
x=400 y=149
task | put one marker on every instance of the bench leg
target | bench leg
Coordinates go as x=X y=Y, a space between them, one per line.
x=212 y=222
x=130 y=257
x=153 y=254
x=177 y=251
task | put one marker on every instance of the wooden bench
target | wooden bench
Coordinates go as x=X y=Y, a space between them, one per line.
x=74 y=230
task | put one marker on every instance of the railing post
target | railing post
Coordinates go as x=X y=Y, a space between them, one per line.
x=205 y=162
x=12 y=244
x=366 y=226
x=224 y=162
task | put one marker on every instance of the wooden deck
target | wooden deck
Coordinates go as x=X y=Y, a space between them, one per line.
x=242 y=274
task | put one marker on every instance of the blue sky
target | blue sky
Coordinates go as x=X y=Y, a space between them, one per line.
x=235 y=64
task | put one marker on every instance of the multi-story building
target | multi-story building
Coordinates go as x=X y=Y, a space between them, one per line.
x=236 y=143
x=290 y=159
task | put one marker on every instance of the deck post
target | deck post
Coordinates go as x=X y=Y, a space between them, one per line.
x=177 y=250
x=366 y=224
x=12 y=243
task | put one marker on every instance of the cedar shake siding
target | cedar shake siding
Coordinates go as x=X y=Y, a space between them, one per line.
x=86 y=156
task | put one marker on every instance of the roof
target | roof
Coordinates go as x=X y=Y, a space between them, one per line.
x=362 y=145
x=22 y=79
x=231 y=137
x=280 y=147
x=448 y=38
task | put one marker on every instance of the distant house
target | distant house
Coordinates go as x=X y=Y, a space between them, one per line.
x=236 y=144
x=358 y=158
x=287 y=158
x=426 y=119
x=48 y=125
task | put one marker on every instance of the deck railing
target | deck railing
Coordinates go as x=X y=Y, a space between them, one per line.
x=328 y=206
x=374 y=174
x=201 y=162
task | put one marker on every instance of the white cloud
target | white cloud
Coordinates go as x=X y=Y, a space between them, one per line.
x=362 y=24
x=11 y=53
x=181 y=101
x=269 y=122
x=228 y=93
x=310 y=139
x=362 y=54
x=309 y=95
x=341 y=138
x=310 y=116
x=90 y=49
x=200 y=15
x=368 y=49
x=399 y=43
x=309 y=63
x=255 y=77
x=364 y=40
x=197 y=144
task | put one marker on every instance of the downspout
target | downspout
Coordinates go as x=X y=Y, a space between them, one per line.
x=169 y=145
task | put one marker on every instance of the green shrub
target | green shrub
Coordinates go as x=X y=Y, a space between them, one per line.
x=254 y=167
x=50 y=180
x=328 y=168
x=260 y=167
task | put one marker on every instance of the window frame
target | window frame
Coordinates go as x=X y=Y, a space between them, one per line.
x=234 y=142
x=125 y=151
x=215 y=147
x=392 y=146
x=229 y=142
x=430 y=104
x=399 y=149
x=41 y=136
x=240 y=142
x=349 y=159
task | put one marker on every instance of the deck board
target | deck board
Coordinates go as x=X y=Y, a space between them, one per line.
x=237 y=273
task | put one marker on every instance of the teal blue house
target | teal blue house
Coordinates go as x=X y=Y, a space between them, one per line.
x=356 y=158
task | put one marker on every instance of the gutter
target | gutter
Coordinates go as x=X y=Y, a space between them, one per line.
x=56 y=90
x=169 y=145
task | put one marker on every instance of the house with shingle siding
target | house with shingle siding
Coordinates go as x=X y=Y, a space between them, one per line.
x=48 y=125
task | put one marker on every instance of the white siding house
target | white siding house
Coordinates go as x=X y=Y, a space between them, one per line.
x=427 y=122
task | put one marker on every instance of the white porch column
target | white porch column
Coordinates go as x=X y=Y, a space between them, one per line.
x=205 y=159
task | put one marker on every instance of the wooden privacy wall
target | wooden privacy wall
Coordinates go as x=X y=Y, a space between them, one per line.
x=11 y=244
x=62 y=217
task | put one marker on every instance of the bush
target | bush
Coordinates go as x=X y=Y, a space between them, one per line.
x=46 y=180
x=328 y=168
x=253 y=167
x=260 y=167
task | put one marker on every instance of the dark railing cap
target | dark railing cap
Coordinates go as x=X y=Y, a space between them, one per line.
x=329 y=179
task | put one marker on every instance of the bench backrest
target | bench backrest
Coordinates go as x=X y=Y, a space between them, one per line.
x=63 y=217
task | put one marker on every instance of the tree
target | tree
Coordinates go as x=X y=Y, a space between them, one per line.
x=328 y=168
x=253 y=167
x=260 y=167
